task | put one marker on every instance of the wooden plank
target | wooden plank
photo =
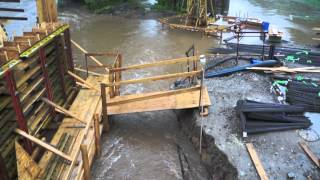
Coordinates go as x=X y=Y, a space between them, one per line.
x=47 y=11
x=310 y=154
x=256 y=161
x=158 y=63
x=286 y=69
x=43 y=144
x=90 y=72
x=53 y=12
x=63 y=110
x=91 y=99
x=157 y=101
x=85 y=52
x=83 y=81
x=156 y=78
x=127 y=99
x=27 y=168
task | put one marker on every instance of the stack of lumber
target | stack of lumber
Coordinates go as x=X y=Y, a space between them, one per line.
x=258 y=117
x=31 y=85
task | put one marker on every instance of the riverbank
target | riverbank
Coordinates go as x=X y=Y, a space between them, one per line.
x=130 y=9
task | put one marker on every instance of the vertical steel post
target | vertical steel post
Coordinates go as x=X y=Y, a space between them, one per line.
x=202 y=109
x=104 y=106
x=42 y=57
x=238 y=41
x=263 y=45
x=60 y=65
x=22 y=123
x=68 y=48
x=43 y=62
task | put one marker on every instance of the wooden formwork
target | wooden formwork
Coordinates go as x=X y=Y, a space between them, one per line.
x=212 y=30
x=34 y=65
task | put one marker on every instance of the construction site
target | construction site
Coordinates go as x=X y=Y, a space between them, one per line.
x=216 y=89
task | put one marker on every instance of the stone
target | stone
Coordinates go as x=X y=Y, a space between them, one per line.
x=291 y=175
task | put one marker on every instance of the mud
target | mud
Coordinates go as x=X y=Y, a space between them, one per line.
x=279 y=151
x=215 y=160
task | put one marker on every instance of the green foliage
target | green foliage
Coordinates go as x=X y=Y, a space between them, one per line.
x=100 y=6
x=173 y=5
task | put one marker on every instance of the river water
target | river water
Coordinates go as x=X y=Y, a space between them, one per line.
x=150 y=145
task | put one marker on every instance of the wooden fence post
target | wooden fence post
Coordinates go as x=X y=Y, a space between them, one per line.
x=85 y=162
x=118 y=74
x=111 y=80
x=97 y=134
x=104 y=107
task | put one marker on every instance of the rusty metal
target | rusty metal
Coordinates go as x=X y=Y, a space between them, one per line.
x=22 y=123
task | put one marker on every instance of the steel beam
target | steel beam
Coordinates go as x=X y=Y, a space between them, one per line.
x=60 y=65
x=48 y=86
x=68 y=48
x=22 y=123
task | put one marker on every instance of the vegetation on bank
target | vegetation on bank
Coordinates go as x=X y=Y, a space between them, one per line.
x=172 y=5
x=100 y=6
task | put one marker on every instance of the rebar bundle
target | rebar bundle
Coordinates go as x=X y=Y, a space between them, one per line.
x=304 y=93
x=257 y=117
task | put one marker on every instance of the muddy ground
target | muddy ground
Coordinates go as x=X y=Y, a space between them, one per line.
x=278 y=151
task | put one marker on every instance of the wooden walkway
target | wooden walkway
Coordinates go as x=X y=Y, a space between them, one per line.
x=155 y=101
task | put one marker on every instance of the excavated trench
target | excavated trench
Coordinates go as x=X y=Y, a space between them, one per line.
x=159 y=145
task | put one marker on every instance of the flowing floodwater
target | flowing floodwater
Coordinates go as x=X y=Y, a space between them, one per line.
x=150 y=145
x=141 y=145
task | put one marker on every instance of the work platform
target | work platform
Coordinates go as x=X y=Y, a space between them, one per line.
x=155 y=101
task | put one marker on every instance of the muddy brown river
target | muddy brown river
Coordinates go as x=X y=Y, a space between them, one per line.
x=150 y=145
